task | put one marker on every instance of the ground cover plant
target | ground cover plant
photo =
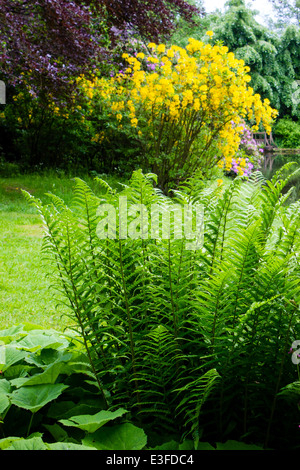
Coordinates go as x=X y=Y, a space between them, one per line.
x=287 y=133
x=194 y=344
x=49 y=399
x=40 y=366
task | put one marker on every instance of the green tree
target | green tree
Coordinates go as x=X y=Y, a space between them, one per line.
x=273 y=59
x=195 y=29
x=289 y=64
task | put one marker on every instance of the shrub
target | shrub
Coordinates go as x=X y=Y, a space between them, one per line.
x=287 y=133
x=248 y=158
x=193 y=342
x=177 y=107
x=8 y=169
x=45 y=133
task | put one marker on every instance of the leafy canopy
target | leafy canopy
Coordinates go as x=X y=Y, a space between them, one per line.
x=45 y=42
x=273 y=59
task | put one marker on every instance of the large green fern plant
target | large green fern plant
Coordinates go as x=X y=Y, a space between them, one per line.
x=192 y=342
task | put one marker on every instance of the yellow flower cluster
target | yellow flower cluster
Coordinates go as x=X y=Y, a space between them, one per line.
x=200 y=90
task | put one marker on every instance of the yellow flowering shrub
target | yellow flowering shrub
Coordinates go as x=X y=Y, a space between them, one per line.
x=183 y=105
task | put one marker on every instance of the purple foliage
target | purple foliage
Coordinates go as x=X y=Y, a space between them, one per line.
x=152 y=20
x=47 y=42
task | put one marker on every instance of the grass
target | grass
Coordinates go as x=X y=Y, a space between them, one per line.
x=25 y=291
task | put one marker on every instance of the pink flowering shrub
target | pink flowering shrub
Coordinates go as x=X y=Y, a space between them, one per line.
x=249 y=156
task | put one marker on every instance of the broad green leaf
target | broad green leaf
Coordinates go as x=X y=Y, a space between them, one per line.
x=4 y=386
x=90 y=423
x=188 y=444
x=49 y=376
x=19 y=370
x=34 y=342
x=7 y=442
x=35 y=397
x=58 y=433
x=67 y=409
x=119 y=437
x=5 y=389
x=185 y=445
x=59 y=409
x=236 y=445
x=68 y=446
x=171 y=445
x=10 y=334
x=34 y=443
x=12 y=356
x=78 y=367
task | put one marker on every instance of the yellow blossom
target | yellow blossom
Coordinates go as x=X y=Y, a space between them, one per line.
x=161 y=48
x=201 y=83
x=197 y=104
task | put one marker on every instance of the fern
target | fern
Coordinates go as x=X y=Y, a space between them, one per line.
x=197 y=335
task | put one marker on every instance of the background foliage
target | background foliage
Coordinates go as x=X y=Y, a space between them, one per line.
x=48 y=122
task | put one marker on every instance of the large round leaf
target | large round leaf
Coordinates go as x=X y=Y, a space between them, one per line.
x=34 y=443
x=90 y=423
x=34 y=342
x=68 y=446
x=11 y=356
x=35 y=397
x=119 y=437
x=5 y=389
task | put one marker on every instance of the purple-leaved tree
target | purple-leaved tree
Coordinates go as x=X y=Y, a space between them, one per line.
x=47 y=42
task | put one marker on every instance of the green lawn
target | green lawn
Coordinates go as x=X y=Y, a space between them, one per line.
x=25 y=294
x=24 y=287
